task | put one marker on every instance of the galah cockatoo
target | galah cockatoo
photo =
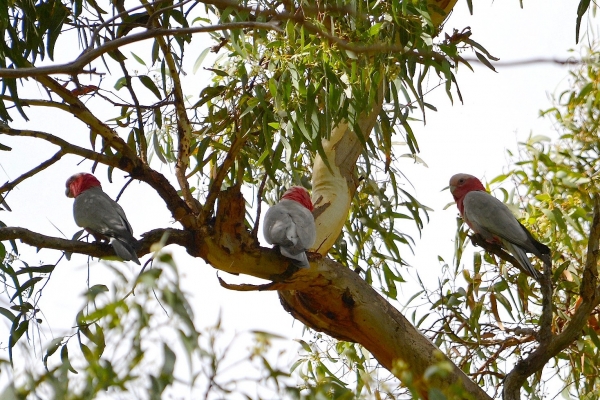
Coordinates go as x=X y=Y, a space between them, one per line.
x=101 y=216
x=291 y=225
x=492 y=219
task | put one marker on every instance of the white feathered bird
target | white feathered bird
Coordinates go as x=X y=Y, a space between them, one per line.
x=101 y=216
x=290 y=225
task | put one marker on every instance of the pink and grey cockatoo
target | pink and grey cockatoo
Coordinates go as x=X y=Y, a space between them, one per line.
x=291 y=225
x=101 y=216
x=492 y=219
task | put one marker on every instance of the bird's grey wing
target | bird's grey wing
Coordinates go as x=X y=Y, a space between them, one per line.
x=275 y=225
x=121 y=213
x=489 y=215
x=305 y=226
x=93 y=209
x=124 y=250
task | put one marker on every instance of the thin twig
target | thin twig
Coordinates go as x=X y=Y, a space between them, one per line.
x=37 y=102
x=545 y=332
x=143 y=146
x=11 y=185
x=123 y=189
x=259 y=196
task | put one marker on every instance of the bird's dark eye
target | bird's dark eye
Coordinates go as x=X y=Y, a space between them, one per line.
x=461 y=180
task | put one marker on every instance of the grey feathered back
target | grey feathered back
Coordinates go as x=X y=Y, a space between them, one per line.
x=490 y=217
x=291 y=226
x=96 y=211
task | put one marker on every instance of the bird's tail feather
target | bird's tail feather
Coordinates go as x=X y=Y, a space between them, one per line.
x=541 y=249
x=300 y=259
x=522 y=258
x=124 y=250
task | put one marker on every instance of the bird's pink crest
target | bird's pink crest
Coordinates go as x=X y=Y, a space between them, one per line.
x=460 y=185
x=299 y=194
x=81 y=182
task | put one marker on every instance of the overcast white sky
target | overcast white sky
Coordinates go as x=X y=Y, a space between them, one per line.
x=499 y=110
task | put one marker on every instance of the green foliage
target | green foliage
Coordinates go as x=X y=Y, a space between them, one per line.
x=125 y=344
x=274 y=96
x=488 y=313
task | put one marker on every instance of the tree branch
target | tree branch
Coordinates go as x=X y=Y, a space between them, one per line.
x=184 y=129
x=65 y=146
x=142 y=172
x=143 y=146
x=591 y=298
x=38 y=240
x=37 y=102
x=75 y=67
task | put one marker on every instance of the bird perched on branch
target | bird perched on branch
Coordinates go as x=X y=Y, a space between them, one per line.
x=101 y=216
x=491 y=218
x=291 y=225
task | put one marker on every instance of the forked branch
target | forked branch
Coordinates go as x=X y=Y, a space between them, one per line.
x=550 y=348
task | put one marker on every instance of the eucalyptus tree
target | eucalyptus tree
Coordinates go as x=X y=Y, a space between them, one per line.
x=308 y=93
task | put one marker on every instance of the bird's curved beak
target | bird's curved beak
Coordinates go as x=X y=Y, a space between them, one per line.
x=452 y=188
x=68 y=192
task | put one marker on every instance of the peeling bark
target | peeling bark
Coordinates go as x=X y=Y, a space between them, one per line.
x=332 y=299
x=334 y=187
x=327 y=297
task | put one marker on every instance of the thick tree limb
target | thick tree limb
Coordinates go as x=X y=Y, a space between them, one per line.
x=331 y=298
